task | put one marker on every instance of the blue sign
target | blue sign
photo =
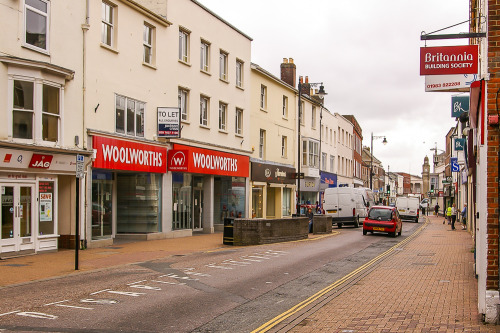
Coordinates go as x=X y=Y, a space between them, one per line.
x=455 y=167
x=330 y=179
x=459 y=144
x=459 y=105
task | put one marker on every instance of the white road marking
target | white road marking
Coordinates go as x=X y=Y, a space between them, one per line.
x=68 y=306
x=8 y=313
x=38 y=315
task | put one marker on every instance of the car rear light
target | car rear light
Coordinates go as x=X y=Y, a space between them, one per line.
x=354 y=212
x=418 y=212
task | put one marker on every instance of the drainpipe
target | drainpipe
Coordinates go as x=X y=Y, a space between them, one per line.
x=85 y=28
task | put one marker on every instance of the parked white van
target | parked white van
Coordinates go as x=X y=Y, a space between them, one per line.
x=408 y=208
x=368 y=196
x=345 y=205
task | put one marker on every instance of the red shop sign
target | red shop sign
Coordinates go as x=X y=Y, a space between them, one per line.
x=40 y=161
x=206 y=161
x=126 y=155
x=444 y=60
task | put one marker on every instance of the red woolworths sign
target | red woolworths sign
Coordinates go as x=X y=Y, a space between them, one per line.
x=132 y=156
x=206 y=161
x=446 y=60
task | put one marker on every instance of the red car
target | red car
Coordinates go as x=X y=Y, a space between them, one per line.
x=383 y=219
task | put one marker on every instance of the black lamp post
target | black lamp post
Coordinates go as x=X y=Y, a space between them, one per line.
x=371 y=156
x=321 y=93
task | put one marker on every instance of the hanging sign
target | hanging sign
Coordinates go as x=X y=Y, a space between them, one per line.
x=459 y=105
x=455 y=167
x=445 y=60
x=458 y=82
x=459 y=144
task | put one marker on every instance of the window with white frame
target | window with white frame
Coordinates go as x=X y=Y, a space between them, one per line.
x=148 y=41
x=129 y=116
x=285 y=107
x=323 y=161
x=183 y=97
x=222 y=116
x=283 y=146
x=204 y=103
x=239 y=73
x=313 y=117
x=239 y=122
x=108 y=24
x=204 y=56
x=26 y=110
x=183 y=46
x=310 y=153
x=263 y=97
x=36 y=23
x=223 y=65
x=332 y=163
x=262 y=144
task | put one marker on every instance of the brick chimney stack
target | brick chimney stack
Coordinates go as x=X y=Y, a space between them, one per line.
x=288 y=71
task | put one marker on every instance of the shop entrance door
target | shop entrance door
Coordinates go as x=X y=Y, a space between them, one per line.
x=197 y=208
x=16 y=217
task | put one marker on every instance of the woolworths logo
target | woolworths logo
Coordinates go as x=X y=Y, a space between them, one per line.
x=178 y=160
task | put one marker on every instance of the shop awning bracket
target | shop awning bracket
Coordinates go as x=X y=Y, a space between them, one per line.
x=431 y=36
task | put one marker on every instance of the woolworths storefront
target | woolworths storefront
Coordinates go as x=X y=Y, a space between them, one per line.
x=207 y=186
x=126 y=190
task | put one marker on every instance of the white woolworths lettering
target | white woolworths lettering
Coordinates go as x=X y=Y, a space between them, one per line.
x=215 y=162
x=132 y=156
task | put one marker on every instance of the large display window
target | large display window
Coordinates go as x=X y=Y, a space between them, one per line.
x=229 y=196
x=182 y=200
x=138 y=199
x=47 y=207
x=257 y=201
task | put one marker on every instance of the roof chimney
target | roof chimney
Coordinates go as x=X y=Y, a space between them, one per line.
x=288 y=71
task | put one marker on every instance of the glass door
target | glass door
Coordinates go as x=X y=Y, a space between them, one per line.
x=16 y=217
x=197 y=208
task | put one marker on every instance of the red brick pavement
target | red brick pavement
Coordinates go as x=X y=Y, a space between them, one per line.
x=427 y=286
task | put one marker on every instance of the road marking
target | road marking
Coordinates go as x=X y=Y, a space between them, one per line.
x=8 y=313
x=280 y=318
x=168 y=282
x=142 y=286
x=99 y=301
x=67 y=306
x=175 y=276
x=38 y=315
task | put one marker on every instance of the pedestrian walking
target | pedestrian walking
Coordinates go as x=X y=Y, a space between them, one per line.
x=453 y=216
x=464 y=217
x=436 y=210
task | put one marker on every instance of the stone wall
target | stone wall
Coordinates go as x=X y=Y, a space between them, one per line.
x=267 y=231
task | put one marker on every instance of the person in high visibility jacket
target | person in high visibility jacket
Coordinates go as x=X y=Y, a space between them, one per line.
x=448 y=215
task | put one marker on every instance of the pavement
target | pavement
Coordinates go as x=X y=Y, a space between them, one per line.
x=427 y=285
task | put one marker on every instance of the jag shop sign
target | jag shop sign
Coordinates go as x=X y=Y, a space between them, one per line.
x=445 y=60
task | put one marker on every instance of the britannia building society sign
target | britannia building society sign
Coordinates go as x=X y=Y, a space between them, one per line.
x=446 y=60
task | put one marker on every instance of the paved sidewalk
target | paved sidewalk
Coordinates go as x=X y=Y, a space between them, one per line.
x=427 y=286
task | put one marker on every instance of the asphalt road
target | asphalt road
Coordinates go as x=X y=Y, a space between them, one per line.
x=235 y=290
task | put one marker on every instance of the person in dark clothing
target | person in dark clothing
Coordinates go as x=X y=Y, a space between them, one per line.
x=436 y=209
x=310 y=215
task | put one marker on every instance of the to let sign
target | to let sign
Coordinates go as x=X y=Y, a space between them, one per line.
x=169 y=122
x=445 y=60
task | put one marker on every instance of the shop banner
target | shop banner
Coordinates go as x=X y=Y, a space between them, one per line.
x=206 y=161
x=459 y=105
x=118 y=154
x=262 y=172
x=328 y=180
x=456 y=83
x=445 y=60
x=15 y=159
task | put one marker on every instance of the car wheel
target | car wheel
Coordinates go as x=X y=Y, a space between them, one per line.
x=339 y=225
x=400 y=231
x=393 y=234
x=416 y=219
x=364 y=232
x=356 y=222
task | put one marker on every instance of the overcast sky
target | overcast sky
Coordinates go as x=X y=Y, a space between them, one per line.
x=366 y=53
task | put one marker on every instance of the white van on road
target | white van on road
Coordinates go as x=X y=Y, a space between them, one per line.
x=408 y=208
x=345 y=205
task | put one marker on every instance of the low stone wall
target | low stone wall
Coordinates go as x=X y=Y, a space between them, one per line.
x=267 y=231
x=322 y=224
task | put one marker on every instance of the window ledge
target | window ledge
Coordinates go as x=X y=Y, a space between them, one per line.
x=205 y=127
x=238 y=135
x=223 y=131
x=284 y=118
x=109 y=48
x=223 y=80
x=184 y=63
x=205 y=72
x=240 y=87
x=187 y=122
x=145 y=64
x=263 y=110
x=36 y=49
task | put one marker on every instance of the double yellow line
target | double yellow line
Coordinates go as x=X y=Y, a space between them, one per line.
x=277 y=320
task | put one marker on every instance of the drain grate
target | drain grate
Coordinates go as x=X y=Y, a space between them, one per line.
x=424 y=264
x=15 y=265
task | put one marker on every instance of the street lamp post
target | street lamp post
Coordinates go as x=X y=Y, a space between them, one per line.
x=371 y=156
x=321 y=93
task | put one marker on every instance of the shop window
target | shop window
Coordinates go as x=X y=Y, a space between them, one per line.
x=229 y=198
x=270 y=202
x=287 y=202
x=181 y=200
x=138 y=203
x=102 y=191
x=47 y=207
x=257 y=201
